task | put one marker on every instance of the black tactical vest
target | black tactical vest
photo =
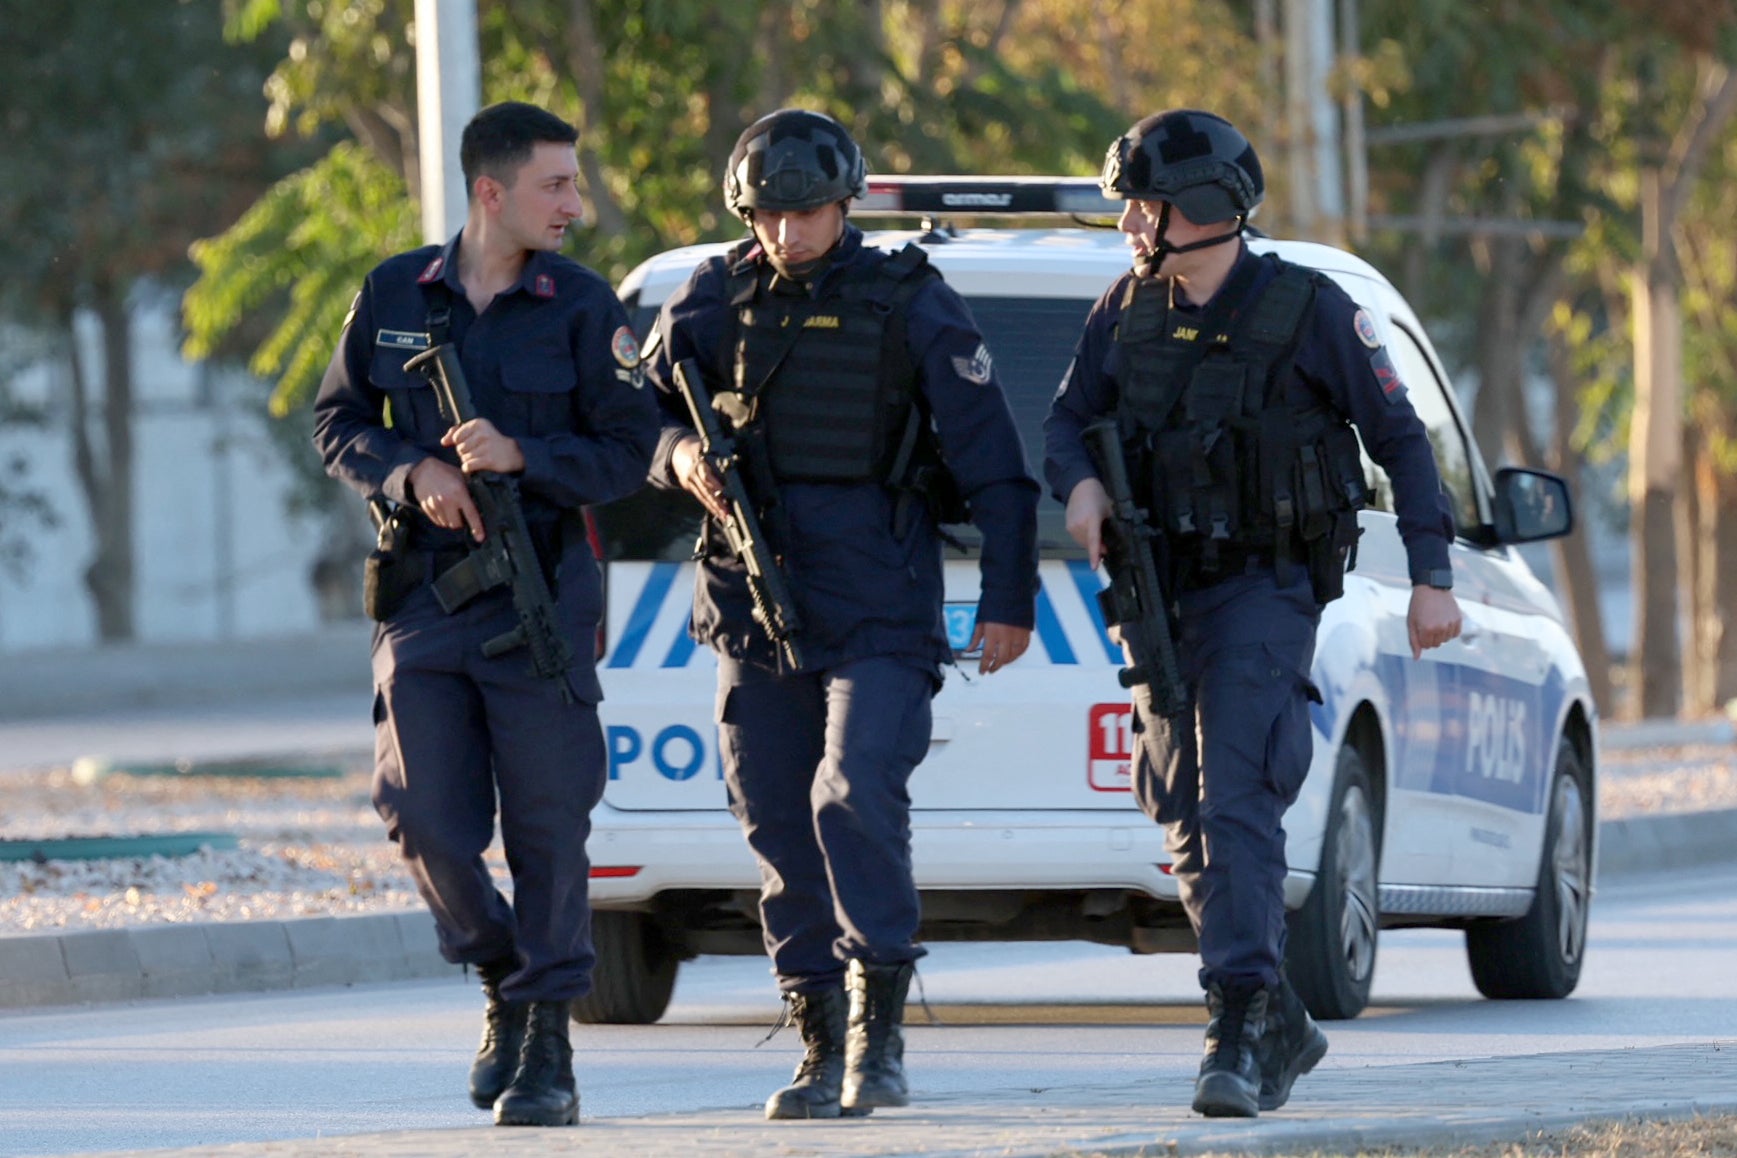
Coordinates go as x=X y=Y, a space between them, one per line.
x=830 y=379
x=1235 y=470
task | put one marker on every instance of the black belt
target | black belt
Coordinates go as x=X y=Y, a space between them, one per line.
x=1234 y=561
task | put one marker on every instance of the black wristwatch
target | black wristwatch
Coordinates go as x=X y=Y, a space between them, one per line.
x=1440 y=577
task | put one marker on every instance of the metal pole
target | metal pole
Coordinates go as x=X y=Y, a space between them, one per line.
x=1356 y=151
x=448 y=94
x=1324 y=117
x=1299 y=145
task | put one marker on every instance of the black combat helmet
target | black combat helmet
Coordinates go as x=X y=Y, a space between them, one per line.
x=792 y=160
x=1197 y=161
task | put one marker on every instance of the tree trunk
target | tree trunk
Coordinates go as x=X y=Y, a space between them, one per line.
x=585 y=61
x=1713 y=678
x=1500 y=354
x=1572 y=554
x=105 y=474
x=1719 y=522
x=1697 y=590
x=1655 y=464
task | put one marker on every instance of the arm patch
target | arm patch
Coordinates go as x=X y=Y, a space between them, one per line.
x=1392 y=388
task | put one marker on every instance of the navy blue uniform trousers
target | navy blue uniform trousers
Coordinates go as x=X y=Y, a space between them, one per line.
x=818 y=766
x=453 y=728
x=1220 y=776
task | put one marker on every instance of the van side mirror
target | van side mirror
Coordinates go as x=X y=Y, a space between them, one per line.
x=1531 y=505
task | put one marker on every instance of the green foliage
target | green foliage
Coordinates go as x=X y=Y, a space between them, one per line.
x=129 y=129
x=301 y=252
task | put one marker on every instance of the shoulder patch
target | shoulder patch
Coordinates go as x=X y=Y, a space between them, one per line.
x=625 y=347
x=1365 y=327
x=432 y=271
x=978 y=368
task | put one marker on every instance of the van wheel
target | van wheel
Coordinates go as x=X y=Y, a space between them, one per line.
x=1538 y=956
x=635 y=972
x=1330 y=947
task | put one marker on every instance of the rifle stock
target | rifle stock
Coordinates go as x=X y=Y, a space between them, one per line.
x=507 y=556
x=1135 y=599
x=774 y=609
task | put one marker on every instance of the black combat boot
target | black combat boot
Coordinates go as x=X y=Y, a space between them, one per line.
x=1292 y=1046
x=1229 y=1084
x=875 y=1052
x=814 y=1091
x=503 y=1036
x=543 y=1092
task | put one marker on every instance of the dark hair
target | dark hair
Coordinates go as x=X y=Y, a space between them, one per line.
x=502 y=137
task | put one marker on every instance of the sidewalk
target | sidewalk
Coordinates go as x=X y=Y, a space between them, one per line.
x=1340 y=1111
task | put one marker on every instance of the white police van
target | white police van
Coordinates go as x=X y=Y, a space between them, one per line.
x=1457 y=791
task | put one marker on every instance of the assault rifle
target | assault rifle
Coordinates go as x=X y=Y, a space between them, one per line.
x=507 y=556
x=1134 y=600
x=774 y=609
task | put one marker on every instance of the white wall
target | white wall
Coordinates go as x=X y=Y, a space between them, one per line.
x=216 y=555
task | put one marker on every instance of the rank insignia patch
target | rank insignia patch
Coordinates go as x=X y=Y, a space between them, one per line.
x=1387 y=374
x=977 y=368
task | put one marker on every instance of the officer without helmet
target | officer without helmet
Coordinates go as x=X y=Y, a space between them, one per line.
x=554 y=371
x=863 y=377
x=1233 y=379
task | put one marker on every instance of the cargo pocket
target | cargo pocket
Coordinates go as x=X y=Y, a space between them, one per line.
x=1163 y=762
x=1291 y=740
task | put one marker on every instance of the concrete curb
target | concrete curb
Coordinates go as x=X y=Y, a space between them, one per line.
x=187 y=960
x=257 y=956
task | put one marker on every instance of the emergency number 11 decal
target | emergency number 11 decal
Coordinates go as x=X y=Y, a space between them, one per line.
x=1110 y=747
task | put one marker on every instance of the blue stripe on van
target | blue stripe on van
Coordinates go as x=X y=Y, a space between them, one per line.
x=1049 y=630
x=682 y=649
x=1086 y=580
x=644 y=614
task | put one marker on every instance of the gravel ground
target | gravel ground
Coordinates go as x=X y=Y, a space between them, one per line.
x=314 y=847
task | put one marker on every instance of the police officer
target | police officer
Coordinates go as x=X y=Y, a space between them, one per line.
x=862 y=372
x=1232 y=379
x=554 y=370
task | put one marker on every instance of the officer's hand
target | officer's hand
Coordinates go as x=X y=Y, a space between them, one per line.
x=1434 y=619
x=481 y=447
x=440 y=491
x=1001 y=645
x=697 y=476
x=1088 y=507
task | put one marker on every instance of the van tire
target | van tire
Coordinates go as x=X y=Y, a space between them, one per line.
x=1332 y=939
x=1538 y=956
x=635 y=972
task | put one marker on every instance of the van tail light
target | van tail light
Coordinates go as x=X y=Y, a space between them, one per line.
x=596 y=541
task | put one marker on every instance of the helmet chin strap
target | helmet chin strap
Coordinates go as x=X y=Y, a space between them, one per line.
x=1147 y=264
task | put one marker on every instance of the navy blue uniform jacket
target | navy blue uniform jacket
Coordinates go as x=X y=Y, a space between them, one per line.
x=551 y=362
x=861 y=589
x=1332 y=363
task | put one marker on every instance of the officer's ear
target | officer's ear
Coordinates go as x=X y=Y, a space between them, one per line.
x=488 y=192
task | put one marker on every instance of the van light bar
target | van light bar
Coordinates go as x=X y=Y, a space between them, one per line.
x=985 y=196
x=614 y=871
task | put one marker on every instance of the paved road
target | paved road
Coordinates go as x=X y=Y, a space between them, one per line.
x=1040 y=1048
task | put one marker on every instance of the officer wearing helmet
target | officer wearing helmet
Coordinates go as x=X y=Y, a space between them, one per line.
x=865 y=381
x=1235 y=381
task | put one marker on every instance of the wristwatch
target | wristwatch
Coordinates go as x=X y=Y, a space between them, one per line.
x=1439 y=577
